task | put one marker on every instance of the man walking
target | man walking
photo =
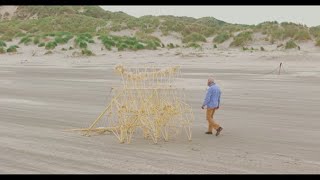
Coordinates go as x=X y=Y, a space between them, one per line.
x=212 y=101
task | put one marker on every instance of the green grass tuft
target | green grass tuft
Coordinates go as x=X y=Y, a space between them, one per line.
x=42 y=44
x=194 y=45
x=291 y=44
x=2 y=44
x=12 y=48
x=25 y=40
x=242 y=39
x=220 y=38
x=87 y=52
x=194 y=37
x=51 y=45
x=2 y=50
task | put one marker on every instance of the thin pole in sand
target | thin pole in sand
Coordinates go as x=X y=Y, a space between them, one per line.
x=280 y=68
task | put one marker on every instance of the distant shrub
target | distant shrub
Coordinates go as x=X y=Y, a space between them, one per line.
x=42 y=44
x=2 y=44
x=51 y=45
x=318 y=42
x=242 y=39
x=107 y=46
x=83 y=44
x=83 y=39
x=20 y=34
x=107 y=41
x=157 y=43
x=130 y=43
x=194 y=45
x=15 y=46
x=59 y=40
x=2 y=50
x=194 y=37
x=151 y=45
x=146 y=37
x=87 y=52
x=122 y=47
x=315 y=31
x=290 y=44
x=215 y=46
x=289 y=32
x=25 y=40
x=12 y=49
x=138 y=46
x=64 y=49
x=86 y=35
x=261 y=48
x=63 y=39
x=67 y=38
x=276 y=34
x=36 y=40
x=170 y=45
x=302 y=35
x=220 y=38
x=6 y=37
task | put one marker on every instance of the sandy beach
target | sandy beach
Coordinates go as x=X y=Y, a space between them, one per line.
x=271 y=122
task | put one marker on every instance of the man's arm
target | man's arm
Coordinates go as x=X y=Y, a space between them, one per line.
x=207 y=98
x=219 y=100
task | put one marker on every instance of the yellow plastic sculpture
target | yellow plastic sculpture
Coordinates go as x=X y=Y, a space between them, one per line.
x=147 y=101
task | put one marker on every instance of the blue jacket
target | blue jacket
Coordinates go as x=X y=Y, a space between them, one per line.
x=212 y=99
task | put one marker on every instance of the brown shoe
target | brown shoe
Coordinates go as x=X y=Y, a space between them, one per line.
x=218 y=131
x=208 y=132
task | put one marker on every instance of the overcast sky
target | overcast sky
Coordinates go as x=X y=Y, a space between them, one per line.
x=308 y=15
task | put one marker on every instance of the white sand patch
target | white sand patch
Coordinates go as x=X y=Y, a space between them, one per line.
x=7 y=11
x=21 y=101
x=126 y=32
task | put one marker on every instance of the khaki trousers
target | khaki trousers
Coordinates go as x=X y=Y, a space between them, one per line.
x=211 y=123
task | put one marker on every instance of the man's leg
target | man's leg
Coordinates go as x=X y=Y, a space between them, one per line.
x=209 y=119
x=214 y=125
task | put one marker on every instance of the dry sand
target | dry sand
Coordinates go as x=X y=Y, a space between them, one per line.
x=271 y=122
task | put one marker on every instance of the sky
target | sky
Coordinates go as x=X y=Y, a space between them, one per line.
x=308 y=15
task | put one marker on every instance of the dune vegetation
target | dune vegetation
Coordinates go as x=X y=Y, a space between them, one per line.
x=51 y=26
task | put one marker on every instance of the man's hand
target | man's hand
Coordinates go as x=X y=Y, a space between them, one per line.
x=202 y=107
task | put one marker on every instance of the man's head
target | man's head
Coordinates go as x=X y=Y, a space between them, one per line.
x=210 y=80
